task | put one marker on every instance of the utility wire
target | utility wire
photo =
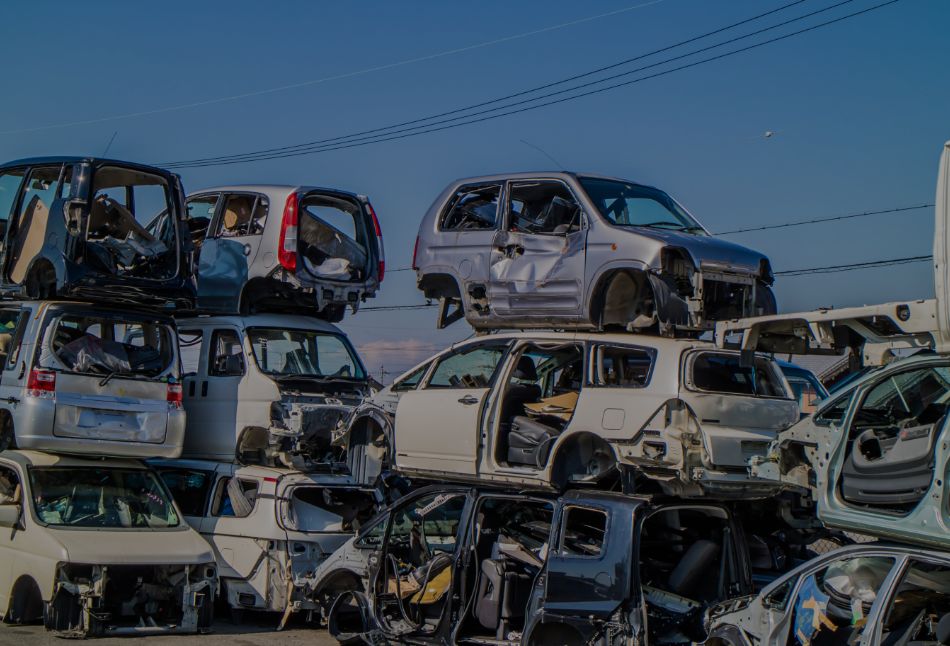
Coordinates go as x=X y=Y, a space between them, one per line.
x=335 y=77
x=502 y=98
x=835 y=218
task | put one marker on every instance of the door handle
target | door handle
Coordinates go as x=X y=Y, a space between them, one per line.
x=468 y=400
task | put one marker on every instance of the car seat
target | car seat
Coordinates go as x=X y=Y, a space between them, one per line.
x=519 y=394
x=890 y=467
x=29 y=238
x=692 y=571
x=529 y=441
x=502 y=596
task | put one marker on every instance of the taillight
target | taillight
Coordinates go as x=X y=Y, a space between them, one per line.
x=173 y=395
x=287 y=245
x=415 y=252
x=379 y=241
x=41 y=383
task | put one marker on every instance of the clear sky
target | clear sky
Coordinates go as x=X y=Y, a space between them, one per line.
x=859 y=110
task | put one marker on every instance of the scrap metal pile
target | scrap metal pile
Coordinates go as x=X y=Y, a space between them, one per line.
x=616 y=456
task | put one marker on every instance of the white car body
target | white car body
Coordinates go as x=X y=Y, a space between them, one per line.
x=267 y=549
x=60 y=573
x=661 y=425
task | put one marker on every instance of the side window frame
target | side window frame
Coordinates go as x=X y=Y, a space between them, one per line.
x=209 y=493
x=849 y=419
x=221 y=490
x=505 y=348
x=847 y=399
x=562 y=529
x=216 y=230
x=507 y=214
x=595 y=376
x=212 y=352
x=16 y=343
x=14 y=203
x=468 y=188
x=398 y=386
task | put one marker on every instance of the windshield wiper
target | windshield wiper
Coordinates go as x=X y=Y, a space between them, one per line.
x=105 y=380
x=664 y=224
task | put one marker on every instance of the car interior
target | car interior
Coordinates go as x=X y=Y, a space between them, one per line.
x=332 y=237
x=889 y=459
x=542 y=207
x=510 y=540
x=687 y=562
x=39 y=193
x=538 y=403
x=920 y=610
x=472 y=208
x=327 y=509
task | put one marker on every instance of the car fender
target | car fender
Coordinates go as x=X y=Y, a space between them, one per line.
x=597 y=283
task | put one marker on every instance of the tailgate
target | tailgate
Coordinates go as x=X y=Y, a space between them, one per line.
x=123 y=410
x=334 y=236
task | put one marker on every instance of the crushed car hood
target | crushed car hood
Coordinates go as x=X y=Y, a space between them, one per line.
x=130 y=547
x=714 y=252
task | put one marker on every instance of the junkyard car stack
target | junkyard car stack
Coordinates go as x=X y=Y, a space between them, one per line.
x=91 y=384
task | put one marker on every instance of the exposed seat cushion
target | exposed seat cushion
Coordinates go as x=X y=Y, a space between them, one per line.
x=529 y=441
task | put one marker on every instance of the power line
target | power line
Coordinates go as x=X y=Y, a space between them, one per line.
x=335 y=77
x=352 y=144
x=835 y=218
x=833 y=269
x=502 y=98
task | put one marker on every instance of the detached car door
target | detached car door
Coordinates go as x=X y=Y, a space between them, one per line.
x=537 y=259
x=439 y=426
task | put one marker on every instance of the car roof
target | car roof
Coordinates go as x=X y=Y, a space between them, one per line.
x=28 y=458
x=557 y=174
x=257 y=471
x=88 y=305
x=74 y=159
x=291 y=321
x=270 y=189
x=664 y=343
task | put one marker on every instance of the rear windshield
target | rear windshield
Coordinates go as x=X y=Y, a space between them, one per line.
x=304 y=353
x=100 y=345
x=333 y=237
x=723 y=373
x=324 y=509
x=101 y=498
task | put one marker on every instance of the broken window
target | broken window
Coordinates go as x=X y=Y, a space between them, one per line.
x=118 y=243
x=472 y=207
x=583 y=532
x=622 y=367
x=102 y=345
x=470 y=367
x=835 y=412
x=327 y=509
x=9 y=486
x=921 y=601
x=542 y=207
x=189 y=344
x=189 y=488
x=410 y=382
x=333 y=237
x=625 y=204
x=235 y=497
x=227 y=354
x=832 y=604
x=200 y=213
x=304 y=353
x=12 y=325
x=724 y=373
x=101 y=497
x=243 y=215
x=41 y=189
x=10 y=182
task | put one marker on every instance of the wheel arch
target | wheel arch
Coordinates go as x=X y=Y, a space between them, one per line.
x=568 y=452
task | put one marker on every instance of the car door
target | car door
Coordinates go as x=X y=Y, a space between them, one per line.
x=10 y=183
x=537 y=258
x=229 y=250
x=916 y=605
x=13 y=324
x=191 y=489
x=211 y=395
x=439 y=426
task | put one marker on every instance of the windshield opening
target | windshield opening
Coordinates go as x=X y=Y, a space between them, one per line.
x=631 y=205
x=304 y=353
x=326 y=509
x=101 y=498
x=91 y=343
x=724 y=373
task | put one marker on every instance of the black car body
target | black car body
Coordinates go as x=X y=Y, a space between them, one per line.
x=75 y=227
x=463 y=565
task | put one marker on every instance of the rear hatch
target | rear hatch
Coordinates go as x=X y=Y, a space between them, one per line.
x=113 y=376
x=338 y=238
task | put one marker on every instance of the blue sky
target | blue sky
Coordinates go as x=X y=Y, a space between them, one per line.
x=860 y=110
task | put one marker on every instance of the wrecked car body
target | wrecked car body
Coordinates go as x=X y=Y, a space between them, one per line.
x=542 y=250
x=89 y=379
x=270 y=528
x=285 y=248
x=553 y=409
x=96 y=547
x=869 y=594
x=464 y=565
x=268 y=389
x=75 y=227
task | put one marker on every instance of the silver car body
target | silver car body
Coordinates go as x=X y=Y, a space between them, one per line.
x=269 y=545
x=67 y=563
x=253 y=251
x=684 y=438
x=868 y=594
x=238 y=407
x=58 y=396
x=587 y=273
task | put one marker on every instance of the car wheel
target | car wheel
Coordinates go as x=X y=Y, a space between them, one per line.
x=26 y=606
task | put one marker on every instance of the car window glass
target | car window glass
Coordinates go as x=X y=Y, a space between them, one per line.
x=374 y=535
x=542 y=207
x=583 y=532
x=909 y=399
x=834 y=412
x=804 y=393
x=280 y=351
x=471 y=367
x=922 y=599
x=410 y=382
x=472 y=207
x=200 y=213
x=10 y=182
x=189 y=488
x=625 y=204
x=189 y=346
x=227 y=354
x=235 y=497
x=9 y=485
x=623 y=367
x=96 y=344
x=12 y=324
x=833 y=603
x=724 y=373
x=243 y=215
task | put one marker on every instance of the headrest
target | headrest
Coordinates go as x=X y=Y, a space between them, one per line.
x=525 y=369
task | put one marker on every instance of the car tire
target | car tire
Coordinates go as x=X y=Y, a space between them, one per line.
x=26 y=606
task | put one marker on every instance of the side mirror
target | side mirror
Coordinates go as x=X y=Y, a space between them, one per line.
x=9 y=515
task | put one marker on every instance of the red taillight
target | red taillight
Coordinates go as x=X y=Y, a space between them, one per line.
x=173 y=395
x=415 y=252
x=41 y=383
x=379 y=241
x=287 y=245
